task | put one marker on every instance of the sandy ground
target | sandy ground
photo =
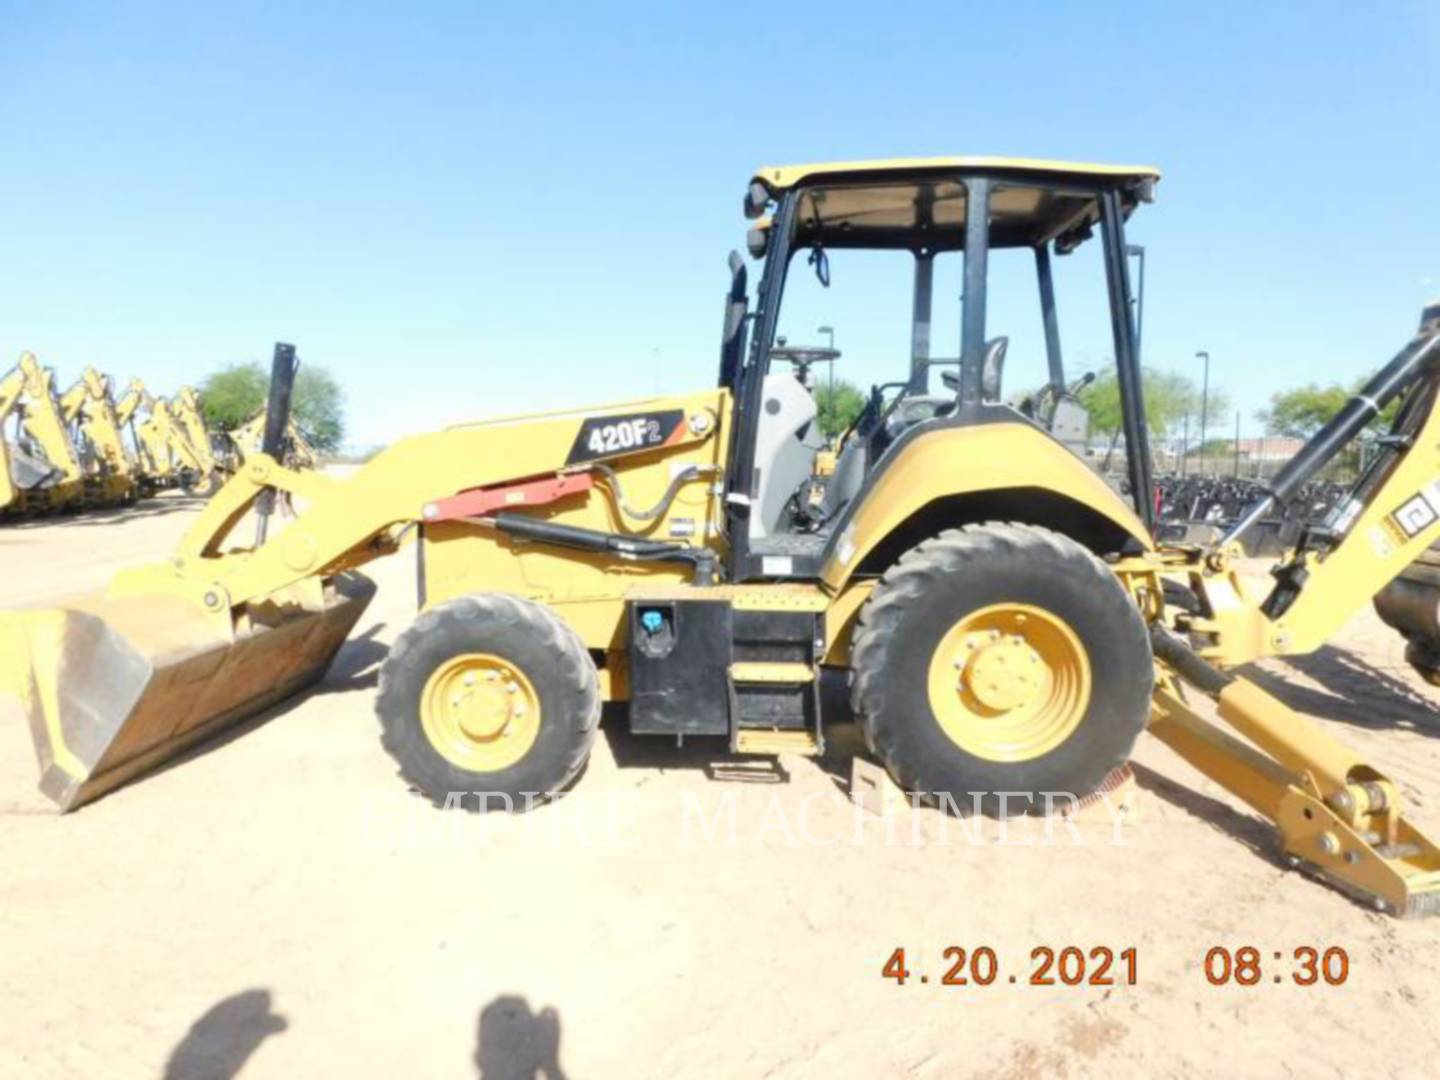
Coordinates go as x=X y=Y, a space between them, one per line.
x=278 y=905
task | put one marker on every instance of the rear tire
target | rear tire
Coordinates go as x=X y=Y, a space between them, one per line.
x=489 y=701
x=1423 y=654
x=1058 y=726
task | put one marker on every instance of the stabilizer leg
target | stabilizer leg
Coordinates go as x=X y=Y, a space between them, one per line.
x=1337 y=817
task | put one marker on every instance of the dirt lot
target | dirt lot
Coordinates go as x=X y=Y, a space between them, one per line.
x=278 y=905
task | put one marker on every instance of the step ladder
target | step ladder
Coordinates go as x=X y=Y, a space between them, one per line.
x=773 y=683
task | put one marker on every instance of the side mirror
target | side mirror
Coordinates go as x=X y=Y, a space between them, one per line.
x=821 y=262
x=736 y=304
x=757 y=197
x=757 y=239
x=732 y=333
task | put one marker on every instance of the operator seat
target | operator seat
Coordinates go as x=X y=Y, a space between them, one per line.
x=860 y=453
x=847 y=479
x=786 y=444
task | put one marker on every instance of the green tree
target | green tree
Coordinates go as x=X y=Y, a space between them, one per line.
x=1303 y=411
x=839 y=403
x=231 y=396
x=1169 y=399
x=319 y=407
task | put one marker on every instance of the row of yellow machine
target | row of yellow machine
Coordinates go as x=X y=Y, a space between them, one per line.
x=87 y=446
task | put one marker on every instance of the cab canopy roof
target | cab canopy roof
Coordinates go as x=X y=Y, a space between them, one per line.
x=921 y=202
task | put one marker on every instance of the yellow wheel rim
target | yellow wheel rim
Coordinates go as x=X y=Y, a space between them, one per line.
x=480 y=712
x=1009 y=682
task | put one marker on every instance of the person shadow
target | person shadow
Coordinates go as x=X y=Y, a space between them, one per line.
x=219 y=1043
x=512 y=1043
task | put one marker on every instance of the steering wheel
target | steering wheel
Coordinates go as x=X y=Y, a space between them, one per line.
x=804 y=355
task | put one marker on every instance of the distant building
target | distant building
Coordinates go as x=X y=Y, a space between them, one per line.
x=1273 y=448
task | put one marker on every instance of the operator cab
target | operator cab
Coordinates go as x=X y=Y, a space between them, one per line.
x=792 y=483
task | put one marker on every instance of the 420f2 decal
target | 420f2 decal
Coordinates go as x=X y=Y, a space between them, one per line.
x=611 y=436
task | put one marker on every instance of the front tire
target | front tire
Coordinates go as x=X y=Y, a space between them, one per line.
x=489 y=701
x=1001 y=659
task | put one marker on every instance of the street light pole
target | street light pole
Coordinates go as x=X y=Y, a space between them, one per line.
x=1204 y=404
x=829 y=332
x=1237 y=442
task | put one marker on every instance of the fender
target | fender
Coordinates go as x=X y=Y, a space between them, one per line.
x=1002 y=453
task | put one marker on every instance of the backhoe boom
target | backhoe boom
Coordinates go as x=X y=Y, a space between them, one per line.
x=1391 y=517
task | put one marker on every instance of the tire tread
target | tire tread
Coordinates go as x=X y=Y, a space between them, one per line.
x=577 y=670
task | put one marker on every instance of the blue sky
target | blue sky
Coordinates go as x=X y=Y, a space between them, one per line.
x=467 y=209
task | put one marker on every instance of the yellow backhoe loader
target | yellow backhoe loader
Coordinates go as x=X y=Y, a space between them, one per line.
x=110 y=468
x=245 y=441
x=10 y=388
x=167 y=455
x=127 y=409
x=42 y=466
x=186 y=409
x=1008 y=622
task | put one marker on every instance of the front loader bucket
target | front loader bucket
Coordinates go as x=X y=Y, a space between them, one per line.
x=115 y=686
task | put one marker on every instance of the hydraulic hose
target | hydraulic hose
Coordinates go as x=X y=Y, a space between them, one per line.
x=685 y=476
